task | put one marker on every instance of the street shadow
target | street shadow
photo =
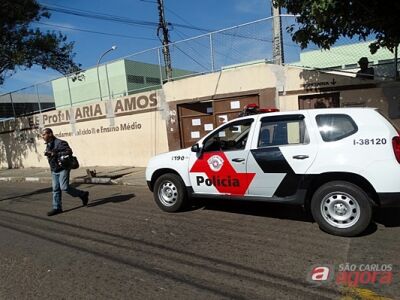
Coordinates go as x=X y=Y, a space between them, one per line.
x=260 y=209
x=388 y=217
x=71 y=209
x=112 y=199
x=372 y=228
x=87 y=179
x=37 y=192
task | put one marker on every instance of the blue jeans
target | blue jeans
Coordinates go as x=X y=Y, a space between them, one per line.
x=61 y=183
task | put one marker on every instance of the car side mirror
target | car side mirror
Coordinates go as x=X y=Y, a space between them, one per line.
x=195 y=148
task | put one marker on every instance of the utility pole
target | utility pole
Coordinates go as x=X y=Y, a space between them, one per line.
x=278 y=54
x=165 y=41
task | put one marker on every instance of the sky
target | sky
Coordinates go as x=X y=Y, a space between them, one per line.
x=205 y=14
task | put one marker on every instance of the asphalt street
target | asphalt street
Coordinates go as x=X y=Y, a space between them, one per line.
x=124 y=247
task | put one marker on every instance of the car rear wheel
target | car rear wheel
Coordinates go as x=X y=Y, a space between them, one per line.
x=170 y=193
x=341 y=208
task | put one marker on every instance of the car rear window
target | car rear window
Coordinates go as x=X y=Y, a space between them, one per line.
x=334 y=127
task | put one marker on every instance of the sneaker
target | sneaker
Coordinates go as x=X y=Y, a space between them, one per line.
x=54 y=212
x=85 y=199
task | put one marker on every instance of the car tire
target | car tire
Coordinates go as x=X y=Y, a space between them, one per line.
x=341 y=208
x=170 y=193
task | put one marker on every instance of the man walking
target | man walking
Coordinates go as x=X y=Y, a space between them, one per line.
x=55 y=149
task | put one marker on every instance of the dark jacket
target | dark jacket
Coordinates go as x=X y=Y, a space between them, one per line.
x=59 y=148
x=367 y=73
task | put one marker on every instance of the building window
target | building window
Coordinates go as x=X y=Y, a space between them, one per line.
x=135 y=79
x=153 y=80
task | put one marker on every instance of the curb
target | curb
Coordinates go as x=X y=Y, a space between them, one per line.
x=6 y=178
x=32 y=179
x=25 y=179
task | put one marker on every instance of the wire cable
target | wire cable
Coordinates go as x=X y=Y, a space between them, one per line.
x=189 y=56
x=109 y=17
x=96 y=32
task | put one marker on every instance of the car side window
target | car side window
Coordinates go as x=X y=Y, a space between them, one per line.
x=231 y=137
x=282 y=130
x=334 y=127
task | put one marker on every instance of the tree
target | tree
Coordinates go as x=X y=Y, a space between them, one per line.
x=22 y=46
x=323 y=22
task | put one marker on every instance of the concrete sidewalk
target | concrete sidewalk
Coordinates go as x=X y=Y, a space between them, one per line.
x=96 y=175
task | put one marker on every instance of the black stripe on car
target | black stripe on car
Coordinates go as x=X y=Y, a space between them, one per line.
x=271 y=160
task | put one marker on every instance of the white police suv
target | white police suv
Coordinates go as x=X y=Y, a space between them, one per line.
x=339 y=163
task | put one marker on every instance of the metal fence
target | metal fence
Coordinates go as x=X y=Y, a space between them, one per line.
x=146 y=70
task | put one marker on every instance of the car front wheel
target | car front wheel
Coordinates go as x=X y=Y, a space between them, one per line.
x=170 y=193
x=341 y=208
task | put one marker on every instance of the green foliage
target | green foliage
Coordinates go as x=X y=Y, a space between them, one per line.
x=22 y=46
x=323 y=22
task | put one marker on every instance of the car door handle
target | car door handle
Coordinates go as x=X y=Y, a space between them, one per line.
x=300 y=156
x=238 y=159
